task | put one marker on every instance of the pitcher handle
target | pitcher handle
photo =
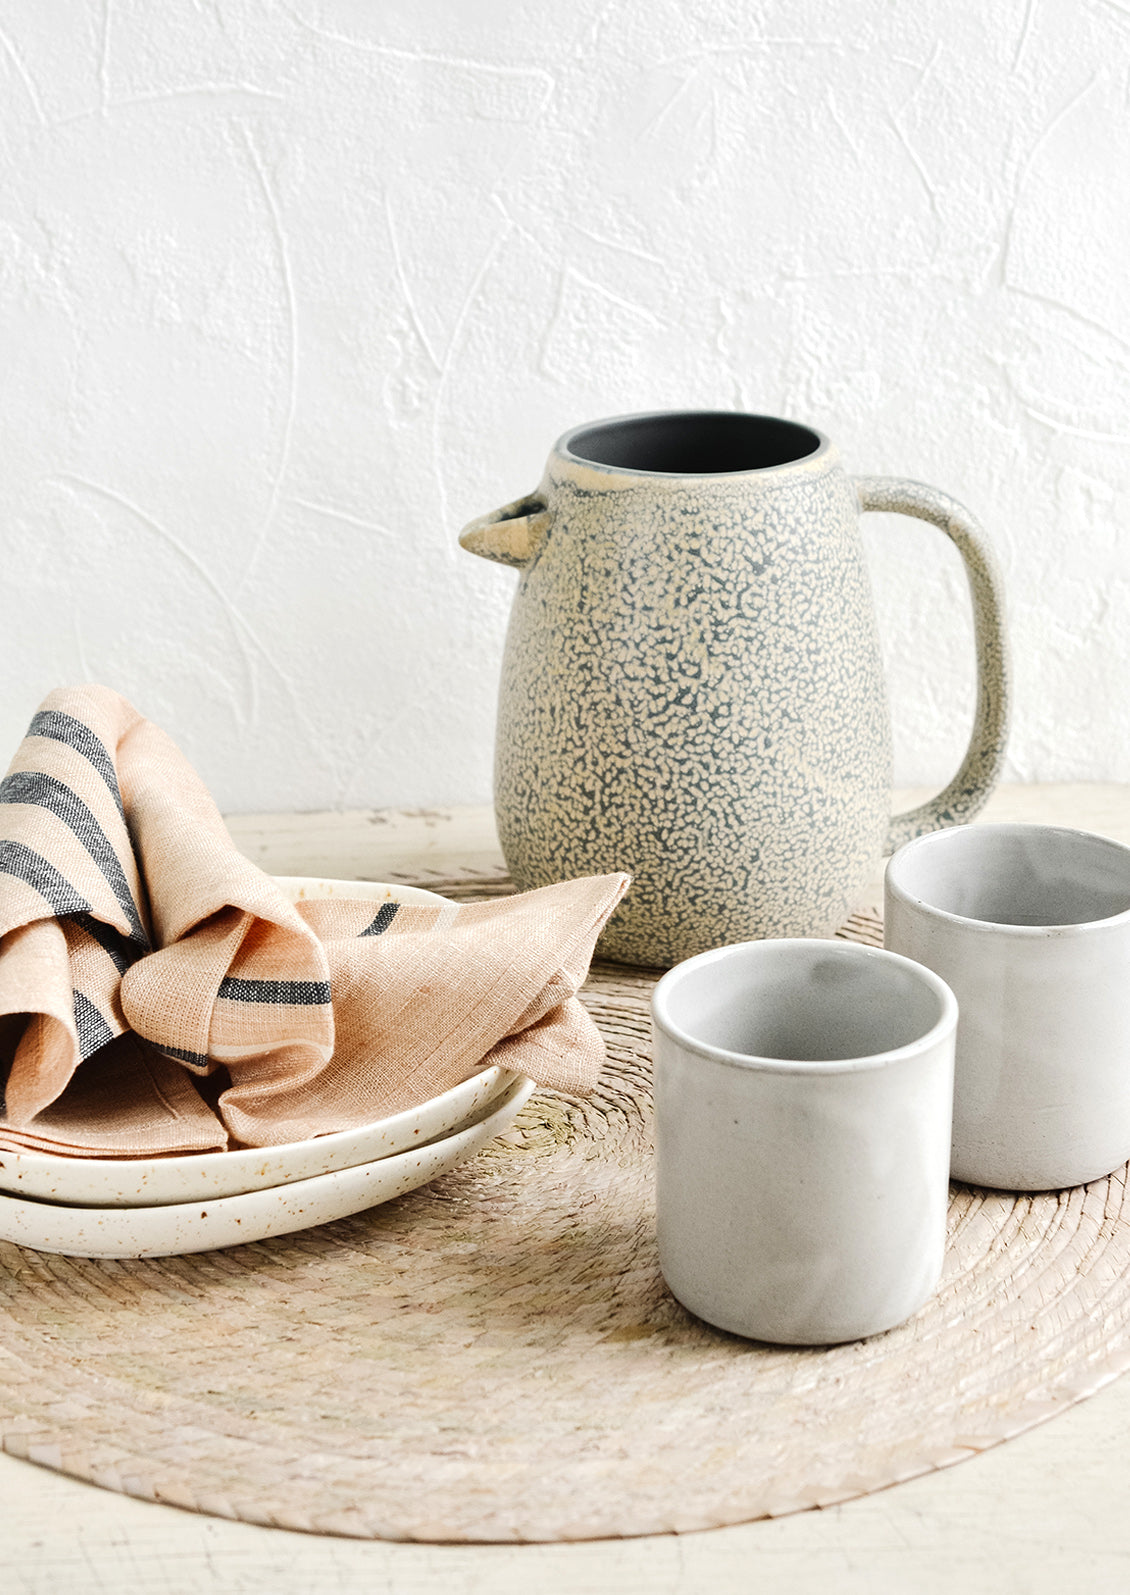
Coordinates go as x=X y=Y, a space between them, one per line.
x=511 y=535
x=967 y=793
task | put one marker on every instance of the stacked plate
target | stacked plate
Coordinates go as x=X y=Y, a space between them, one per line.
x=163 y=1207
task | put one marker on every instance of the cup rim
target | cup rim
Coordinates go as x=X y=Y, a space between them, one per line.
x=945 y=1025
x=994 y=927
x=564 y=450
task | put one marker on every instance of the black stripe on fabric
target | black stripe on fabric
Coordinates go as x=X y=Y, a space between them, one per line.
x=93 y=1031
x=35 y=870
x=60 y=727
x=382 y=919
x=47 y=792
x=298 y=993
x=120 y=949
x=182 y=1055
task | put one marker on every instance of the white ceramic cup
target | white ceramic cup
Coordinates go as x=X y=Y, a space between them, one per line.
x=803 y=1092
x=1030 y=926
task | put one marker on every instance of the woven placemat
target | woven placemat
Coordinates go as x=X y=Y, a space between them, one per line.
x=496 y=1358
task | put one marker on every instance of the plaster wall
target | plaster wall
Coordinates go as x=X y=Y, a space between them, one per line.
x=289 y=291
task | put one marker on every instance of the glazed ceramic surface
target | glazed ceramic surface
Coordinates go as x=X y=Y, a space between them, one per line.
x=1030 y=925
x=300 y=887
x=173 y=1230
x=146 y=1182
x=692 y=689
x=150 y=1182
x=803 y=1093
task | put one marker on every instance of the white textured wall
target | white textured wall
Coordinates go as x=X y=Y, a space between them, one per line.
x=289 y=291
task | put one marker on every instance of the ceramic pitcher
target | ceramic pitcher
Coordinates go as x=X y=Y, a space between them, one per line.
x=692 y=687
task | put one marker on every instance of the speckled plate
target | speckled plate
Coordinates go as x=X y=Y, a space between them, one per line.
x=149 y=1182
x=175 y=1229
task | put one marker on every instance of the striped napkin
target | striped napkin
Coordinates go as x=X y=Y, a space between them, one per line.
x=160 y=994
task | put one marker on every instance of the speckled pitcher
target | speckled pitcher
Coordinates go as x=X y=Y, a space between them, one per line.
x=692 y=688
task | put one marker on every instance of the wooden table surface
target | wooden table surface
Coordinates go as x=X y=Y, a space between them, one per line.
x=1046 y=1512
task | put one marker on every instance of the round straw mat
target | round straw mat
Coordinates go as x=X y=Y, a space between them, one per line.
x=496 y=1357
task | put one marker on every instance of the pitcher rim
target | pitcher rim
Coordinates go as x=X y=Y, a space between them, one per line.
x=563 y=448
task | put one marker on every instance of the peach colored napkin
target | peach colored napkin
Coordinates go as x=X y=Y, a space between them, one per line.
x=160 y=994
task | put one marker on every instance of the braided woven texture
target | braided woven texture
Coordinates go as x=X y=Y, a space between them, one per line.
x=495 y=1357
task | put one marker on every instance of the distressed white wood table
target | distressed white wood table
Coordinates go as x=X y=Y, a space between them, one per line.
x=1047 y=1512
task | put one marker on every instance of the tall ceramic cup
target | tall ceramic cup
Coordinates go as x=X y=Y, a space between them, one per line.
x=1030 y=926
x=802 y=1099
x=692 y=689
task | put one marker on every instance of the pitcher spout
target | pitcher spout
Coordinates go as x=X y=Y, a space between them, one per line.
x=511 y=535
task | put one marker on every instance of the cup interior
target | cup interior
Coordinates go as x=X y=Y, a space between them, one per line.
x=693 y=443
x=800 y=1001
x=1017 y=874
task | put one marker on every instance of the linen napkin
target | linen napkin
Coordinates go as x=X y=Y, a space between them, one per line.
x=160 y=994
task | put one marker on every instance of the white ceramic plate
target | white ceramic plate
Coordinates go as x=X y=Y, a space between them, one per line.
x=175 y=1229
x=147 y=1182
x=150 y=1182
